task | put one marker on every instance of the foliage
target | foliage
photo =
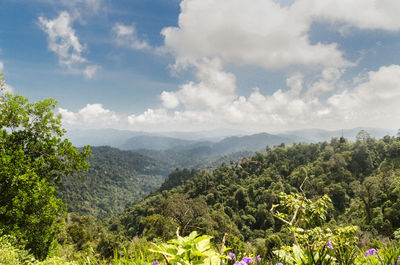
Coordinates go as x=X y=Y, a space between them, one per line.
x=193 y=249
x=33 y=158
x=361 y=178
x=312 y=242
x=114 y=180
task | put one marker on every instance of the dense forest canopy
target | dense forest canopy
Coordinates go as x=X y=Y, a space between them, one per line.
x=361 y=178
x=114 y=180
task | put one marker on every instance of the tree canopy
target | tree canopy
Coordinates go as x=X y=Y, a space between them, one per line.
x=33 y=158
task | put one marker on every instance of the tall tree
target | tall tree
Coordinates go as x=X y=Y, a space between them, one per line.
x=33 y=158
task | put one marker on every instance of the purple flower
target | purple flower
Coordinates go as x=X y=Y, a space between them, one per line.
x=370 y=252
x=329 y=244
x=280 y=263
x=156 y=263
x=232 y=255
x=258 y=257
x=247 y=260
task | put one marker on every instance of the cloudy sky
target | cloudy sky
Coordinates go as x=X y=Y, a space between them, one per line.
x=170 y=65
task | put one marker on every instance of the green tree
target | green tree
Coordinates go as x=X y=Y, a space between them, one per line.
x=33 y=158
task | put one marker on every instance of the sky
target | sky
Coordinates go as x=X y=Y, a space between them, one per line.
x=190 y=65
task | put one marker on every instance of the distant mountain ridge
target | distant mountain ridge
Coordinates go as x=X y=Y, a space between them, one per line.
x=129 y=140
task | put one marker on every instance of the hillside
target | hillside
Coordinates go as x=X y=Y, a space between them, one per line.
x=115 y=178
x=362 y=179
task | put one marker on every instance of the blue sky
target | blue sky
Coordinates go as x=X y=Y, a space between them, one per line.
x=162 y=65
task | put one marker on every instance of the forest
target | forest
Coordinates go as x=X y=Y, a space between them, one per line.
x=332 y=202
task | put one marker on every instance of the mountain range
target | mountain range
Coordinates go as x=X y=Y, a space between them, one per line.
x=223 y=140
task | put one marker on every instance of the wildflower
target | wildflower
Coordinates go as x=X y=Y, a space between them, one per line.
x=232 y=255
x=156 y=263
x=280 y=263
x=370 y=252
x=329 y=244
x=247 y=260
x=258 y=258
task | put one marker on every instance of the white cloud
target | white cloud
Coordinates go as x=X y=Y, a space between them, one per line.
x=150 y=116
x=1 y=67
x=262 y=33
x=372 y=102
x=214 y=89
x=212 y=34
x=63 y=41
x=169 y=99
x=364 y=14
x=91 y=70
x=295 y=81
x=267 y=34
x=327 y=82
x=127 y=36
x=91 y=116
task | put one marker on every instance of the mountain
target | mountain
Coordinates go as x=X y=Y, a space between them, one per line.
x=318 y=135
x=255 y=142
x=129 y=140
x=100 y=137
x=115 y=179
x=202 y=154
x=117 y=138
x=155 y=143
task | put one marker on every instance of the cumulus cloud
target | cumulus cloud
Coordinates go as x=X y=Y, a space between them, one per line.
x=267 y=34
x=214 y=89
x=364 y=14
x=373 y=101
x=212 y=34
x=326 y=83
x=150 y=116
x=62 y=40
x=91 y=116
x=263 y=33
x=126 y=35
x=366 y=103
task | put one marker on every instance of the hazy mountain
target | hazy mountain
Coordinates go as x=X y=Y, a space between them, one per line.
x=255 y=142
x=203 y=154
x=318 y=135
x=155 y=143
x=222 y=141
x=100 y=137
x=117 y=138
